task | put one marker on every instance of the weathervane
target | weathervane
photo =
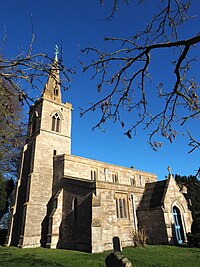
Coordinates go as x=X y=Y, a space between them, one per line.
x=169 y=169
x=56 y=52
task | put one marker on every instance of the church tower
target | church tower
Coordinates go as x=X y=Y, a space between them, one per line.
x=49 y=134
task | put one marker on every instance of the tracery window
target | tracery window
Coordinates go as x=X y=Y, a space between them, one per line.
x=55 y=123
x=121 y=206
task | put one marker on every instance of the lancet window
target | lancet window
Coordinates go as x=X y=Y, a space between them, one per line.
x=132 y=181
x=75 y=209
x=93 y=174
x=56 y=91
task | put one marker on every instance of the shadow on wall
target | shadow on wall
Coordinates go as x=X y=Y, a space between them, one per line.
x=75 y=227
x=23 y=197
x=150 y=213
x=44 y=231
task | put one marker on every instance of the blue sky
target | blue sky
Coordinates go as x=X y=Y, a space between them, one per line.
x=80 y=23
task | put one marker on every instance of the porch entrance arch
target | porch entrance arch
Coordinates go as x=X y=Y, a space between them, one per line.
x=178 y=225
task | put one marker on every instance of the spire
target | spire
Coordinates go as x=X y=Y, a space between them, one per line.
x=52 y=88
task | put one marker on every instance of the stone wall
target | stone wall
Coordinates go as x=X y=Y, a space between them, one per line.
x=75 y=228
x=159 y=221
x=153 y=222
x=106 y=223
x=81 y=167
x=102 y=221
x=36 y=178
x=174 y=197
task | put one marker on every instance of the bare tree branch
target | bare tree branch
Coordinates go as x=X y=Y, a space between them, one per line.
x=124 y=72
x=20 y=79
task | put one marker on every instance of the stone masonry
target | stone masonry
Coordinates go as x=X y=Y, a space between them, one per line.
x=66 y=201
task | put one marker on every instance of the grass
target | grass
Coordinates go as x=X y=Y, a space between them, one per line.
x=151 y=256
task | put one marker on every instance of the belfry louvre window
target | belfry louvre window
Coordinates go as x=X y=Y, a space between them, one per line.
x=56 y=91
x=55 y=123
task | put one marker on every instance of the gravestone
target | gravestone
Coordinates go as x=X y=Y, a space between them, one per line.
x=116 y=244
x=117 y=259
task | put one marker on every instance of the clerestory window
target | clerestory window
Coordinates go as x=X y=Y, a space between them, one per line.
x=114 y=177
x=93 y=174
x=132 y=181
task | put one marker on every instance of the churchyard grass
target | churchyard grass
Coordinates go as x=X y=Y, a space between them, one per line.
x=151 y=256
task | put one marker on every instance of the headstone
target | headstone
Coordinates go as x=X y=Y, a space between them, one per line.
x=116 y=244
x=116 y=259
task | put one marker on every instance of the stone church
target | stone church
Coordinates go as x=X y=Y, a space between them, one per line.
x=66 y=201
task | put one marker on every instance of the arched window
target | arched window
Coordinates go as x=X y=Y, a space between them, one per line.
x=93 y=173
x=114 y=177
x=179 y=232
x=140 y=180
x=56 y=91
x=34 y=124
x=121 y=206
x=132 y=181
x=75 y=209
x=55 y=123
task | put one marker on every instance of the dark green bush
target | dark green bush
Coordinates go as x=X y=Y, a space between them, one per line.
x=193 y=240
x=196 y=225
x=3 y=233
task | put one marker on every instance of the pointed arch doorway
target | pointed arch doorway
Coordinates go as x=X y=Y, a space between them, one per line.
x=178 y=225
